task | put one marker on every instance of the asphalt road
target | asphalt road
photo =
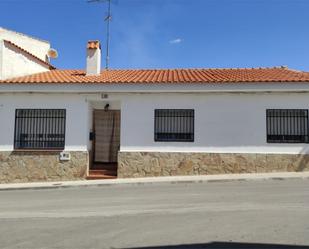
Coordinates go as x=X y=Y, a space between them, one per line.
x=190 y=215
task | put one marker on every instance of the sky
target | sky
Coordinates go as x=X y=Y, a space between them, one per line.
x=169 y=33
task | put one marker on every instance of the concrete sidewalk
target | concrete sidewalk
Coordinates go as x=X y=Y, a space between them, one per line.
x=165 y=179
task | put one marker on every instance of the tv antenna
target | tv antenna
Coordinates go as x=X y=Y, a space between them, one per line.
x=107 y=19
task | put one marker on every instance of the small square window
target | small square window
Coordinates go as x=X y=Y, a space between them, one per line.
x=287 y=125
x=39 y=129
x=174 y=125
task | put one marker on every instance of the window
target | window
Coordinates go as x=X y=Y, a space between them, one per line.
x=39 y=128
x=287 y=125
x=174 y=125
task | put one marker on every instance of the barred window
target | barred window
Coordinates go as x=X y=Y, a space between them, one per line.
x=39 y=128
x=287 y=125
x=174 y=125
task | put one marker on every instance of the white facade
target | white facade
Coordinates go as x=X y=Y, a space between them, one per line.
x=225 y=122
x=37 y=46
x=14 y=62
x=76 y=117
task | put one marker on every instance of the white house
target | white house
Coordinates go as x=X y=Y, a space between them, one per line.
x=76 y=124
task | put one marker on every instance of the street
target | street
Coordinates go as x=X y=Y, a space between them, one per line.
x=217 y=214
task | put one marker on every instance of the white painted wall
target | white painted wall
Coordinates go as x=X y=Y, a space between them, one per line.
x=37 y=46
x=76 y=117
x=15 y=63
x=224 y=122
x=93 y=61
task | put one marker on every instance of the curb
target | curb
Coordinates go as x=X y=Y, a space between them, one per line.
x=155 y=180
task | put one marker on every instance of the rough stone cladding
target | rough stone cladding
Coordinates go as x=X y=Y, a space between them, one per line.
x=34 y=166
x=143 y=164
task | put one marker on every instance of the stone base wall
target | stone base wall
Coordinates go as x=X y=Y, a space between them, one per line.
x=143 y=164
x=34 y=166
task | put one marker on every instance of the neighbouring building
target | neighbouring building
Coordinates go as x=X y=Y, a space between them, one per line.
x=76 y=124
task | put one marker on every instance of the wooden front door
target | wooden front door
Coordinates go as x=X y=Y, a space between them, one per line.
x=107 y=135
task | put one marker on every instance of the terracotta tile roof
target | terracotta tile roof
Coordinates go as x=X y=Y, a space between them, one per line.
x=93 y=44
x=29 y=54
x=150 y=76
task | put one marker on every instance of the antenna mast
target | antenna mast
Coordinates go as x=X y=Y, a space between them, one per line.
x=107 y=19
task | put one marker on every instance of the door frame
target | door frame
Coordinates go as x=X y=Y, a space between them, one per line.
x=93 y=142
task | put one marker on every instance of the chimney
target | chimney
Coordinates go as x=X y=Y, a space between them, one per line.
x=93 y=66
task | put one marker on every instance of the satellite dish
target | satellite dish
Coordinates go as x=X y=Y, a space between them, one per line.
x=52 y=53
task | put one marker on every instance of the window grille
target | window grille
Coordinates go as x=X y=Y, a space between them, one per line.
x=287 y=125
x=39 y=128
x=174 y=125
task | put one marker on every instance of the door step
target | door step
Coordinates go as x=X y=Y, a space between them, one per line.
x=101 y=177
x=102 y=174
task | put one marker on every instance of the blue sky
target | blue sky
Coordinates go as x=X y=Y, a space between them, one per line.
x=170 y=33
